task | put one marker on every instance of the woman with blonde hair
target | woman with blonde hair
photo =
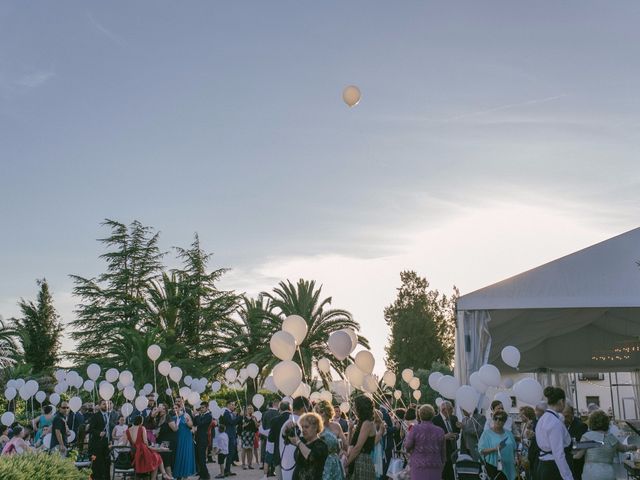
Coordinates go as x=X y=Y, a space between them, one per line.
x=311 y=452
x=333 y=436
x=426 y=446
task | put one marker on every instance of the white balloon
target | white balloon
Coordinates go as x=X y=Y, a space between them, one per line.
x=505 y=399
x=467 y=398
x=120 y=386
x=434 y=378
x=448 y=386
x=11 y=384
x=60 y=375
x=528 y=390
x=129 y=392
x=175 y=374
x=75 y=403
x=354 y=375
x=511 y=356
x=164 y=368
x=417 y=394
x=508 y=382
x=365 y=361
x=258 y=400
x=230 y=375
x=439 y=402
x=93 y=371
x=407 y=375
x=370 y=384
x=351 y=95
x=269 y=384
x=315 y=397
x=489 y=375
x=287 y=376
x=296 y=326
x=184 y=392
x=324 y=365
x=283 y=345
x=414 y=383
x=126 y=409
x=216 y=412
x=257 y=415
x=148 y=388
x=126 y=377
x=397 y=394
x=188 y=380
x=169 y=392
x=141 y=403
x=215 y=386
x=154 y=352
x=340 y=344
x=353 y=336
x=24 y=392
x=41 y=396
x=111 y=375
x=10 y=393
x=326 y=395
x=303 y=390
x=64 y=386
x=212 y=404
x=194 y=398
x=106 y=391
x=33 y=386
x=7 y=418
x=345 y=407
x=389 y=378
x=474 y=380
x=54 y=399
x=253 y=370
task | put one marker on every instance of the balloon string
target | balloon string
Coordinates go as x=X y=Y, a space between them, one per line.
x=304 y=375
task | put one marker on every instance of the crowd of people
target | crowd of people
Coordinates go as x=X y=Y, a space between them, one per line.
x=297 y=440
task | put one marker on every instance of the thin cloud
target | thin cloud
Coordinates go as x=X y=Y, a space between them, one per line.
x=35 y=79
x=105 y=31
x=505 y=107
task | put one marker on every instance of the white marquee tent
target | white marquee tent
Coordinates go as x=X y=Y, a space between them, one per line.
x=579 y=313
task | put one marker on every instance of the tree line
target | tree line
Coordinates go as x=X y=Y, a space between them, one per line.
x=137 y=301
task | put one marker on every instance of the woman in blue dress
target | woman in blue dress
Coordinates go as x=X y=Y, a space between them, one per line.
x=185 y=460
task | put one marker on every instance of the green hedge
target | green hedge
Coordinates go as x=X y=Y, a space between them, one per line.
x=35 y=466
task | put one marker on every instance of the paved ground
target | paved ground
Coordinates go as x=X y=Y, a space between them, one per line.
x=255 y=474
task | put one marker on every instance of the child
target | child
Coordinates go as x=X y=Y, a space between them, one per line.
x=118 y=434
x=221 y=448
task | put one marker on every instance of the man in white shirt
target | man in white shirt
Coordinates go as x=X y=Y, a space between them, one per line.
x=287 y=460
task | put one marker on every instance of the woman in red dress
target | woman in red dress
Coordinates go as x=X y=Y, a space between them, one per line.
x=145 y=460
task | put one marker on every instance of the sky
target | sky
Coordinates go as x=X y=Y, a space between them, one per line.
x=491 y=137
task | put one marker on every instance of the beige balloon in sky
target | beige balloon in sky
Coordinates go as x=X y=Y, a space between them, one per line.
x=351 y=95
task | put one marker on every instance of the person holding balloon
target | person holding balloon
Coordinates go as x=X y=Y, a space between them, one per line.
x=185 y=460
x=498 y=447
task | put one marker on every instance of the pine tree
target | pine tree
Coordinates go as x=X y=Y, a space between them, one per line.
x=422 y=324
x=117 y=298
x=39 y=330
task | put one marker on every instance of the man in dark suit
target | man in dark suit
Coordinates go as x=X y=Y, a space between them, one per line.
x=267 y=418
x=99 y=437
x=231 y=421
x=202 y=422
x=274 y=434
x=576 y=428
x=448 y=422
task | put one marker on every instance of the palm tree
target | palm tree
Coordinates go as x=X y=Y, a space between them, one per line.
x=245 y=340
x=304 y=299
x=9 y=353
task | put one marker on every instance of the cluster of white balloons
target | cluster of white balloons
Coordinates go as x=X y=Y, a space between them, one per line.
x=287 y=375
x=487 y=381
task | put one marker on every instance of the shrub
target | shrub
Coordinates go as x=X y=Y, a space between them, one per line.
x=32 y=466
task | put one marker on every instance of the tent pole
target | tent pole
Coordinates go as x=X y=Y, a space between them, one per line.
x=575 y=391
x=613 y=413
x=618 y=395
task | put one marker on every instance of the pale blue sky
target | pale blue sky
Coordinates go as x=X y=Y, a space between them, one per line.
x=226 y=118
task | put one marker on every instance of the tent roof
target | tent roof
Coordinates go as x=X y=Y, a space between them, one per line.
x=603 y=275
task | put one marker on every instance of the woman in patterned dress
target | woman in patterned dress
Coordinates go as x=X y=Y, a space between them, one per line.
x=249 y=427
x=359 y=458
x=333 y=436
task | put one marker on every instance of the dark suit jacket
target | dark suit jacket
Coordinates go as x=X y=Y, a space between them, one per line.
x=451 y=444
x=202 y=423
x=96 y=427
x=274 y=434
